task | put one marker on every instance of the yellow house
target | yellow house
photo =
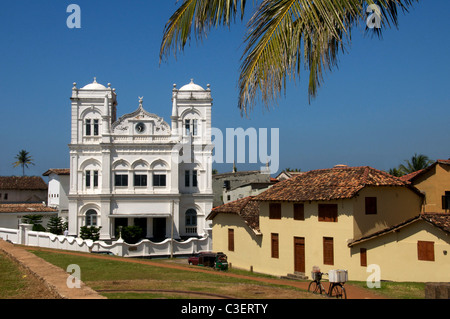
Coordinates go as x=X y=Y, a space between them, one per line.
x=434 y=182
x=415 y=250
x=316 y=219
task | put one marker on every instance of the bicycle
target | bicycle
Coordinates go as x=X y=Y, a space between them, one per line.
x=335 y=289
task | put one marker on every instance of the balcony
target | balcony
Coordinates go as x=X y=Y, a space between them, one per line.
x=191 y=230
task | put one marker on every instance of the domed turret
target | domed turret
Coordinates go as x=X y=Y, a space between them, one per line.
x=191 y=87
x=94 y=86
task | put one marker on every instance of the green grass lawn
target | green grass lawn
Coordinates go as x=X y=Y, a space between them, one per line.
x=16 y=283
x=397 y=290
x=101 y=274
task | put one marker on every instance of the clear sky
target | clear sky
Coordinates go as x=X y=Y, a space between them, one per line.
x=388 y=99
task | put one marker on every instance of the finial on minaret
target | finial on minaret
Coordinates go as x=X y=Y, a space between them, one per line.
x=141 y=98
x=95 y=79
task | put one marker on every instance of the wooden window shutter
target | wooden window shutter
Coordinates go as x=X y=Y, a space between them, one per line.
x=299 y=212
x=275 y=245
x=231 y=239
x=275 y=211
x=425 y=250
x=328 y=212
x=328 y=255
x=371 y=205
x=363 y=254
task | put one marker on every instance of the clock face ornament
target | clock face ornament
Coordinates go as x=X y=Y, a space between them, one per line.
x=140 y=127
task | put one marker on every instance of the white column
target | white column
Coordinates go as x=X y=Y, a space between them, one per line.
x=105 y=221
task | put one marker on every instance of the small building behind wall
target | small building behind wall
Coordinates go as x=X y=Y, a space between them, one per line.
x=11 y=214
x=58 y=190
x=22 y=189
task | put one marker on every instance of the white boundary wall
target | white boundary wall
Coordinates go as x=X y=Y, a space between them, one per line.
x=145 y=248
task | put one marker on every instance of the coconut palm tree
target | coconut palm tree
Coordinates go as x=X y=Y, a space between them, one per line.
x=416 y=163
x=282 y=36
x=395 y=172
x=24 y=159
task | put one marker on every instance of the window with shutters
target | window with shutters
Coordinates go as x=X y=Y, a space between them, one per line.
x=299 y=212
x=363 y=255
x=275 y=245
x=328 y=213
x=446 y=200
x=275 y=211
x=231 y=239
x=371 y=205
x=425 y=250
x=328 y=254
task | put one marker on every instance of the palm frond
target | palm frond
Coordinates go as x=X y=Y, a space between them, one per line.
x=283 y=36
x=281 y=32
x=197 y=17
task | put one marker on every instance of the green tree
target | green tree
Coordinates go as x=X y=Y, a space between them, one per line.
x=416 y=163
x=131 y=234
x=90 y=232
x=56 y=225
x=395 y=172
x=282 y=36
x=23 y=159
x=35 y=220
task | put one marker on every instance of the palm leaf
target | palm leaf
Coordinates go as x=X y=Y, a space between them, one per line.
x=203 y=14
x=283 y=36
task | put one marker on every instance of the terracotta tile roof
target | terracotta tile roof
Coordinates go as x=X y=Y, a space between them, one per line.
x=245 y=207
x=22 y=183
x=328 y=184
x=26 y=208
x=440 y=220
x=409 y=177
x=57 y=171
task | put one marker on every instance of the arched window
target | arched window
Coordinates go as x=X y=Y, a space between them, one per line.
x=191 y=217
x=91 y=218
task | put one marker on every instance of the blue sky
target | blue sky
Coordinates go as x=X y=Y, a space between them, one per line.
x=387 y=100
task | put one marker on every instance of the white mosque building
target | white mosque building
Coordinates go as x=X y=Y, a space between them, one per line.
x=138 y=169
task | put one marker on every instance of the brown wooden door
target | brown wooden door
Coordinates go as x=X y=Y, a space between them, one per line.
x=299 y=254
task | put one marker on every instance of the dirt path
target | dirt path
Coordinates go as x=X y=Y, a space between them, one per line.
x=353 y=292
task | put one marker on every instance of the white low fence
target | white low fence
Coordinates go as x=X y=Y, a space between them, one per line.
x=145 y=248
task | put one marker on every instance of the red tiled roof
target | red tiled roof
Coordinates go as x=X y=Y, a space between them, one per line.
x=328 y=184
x=440 y=220
x=22 y=183
x=25 y=208
x=57 y=171
x=409 y=177
x=244 y=207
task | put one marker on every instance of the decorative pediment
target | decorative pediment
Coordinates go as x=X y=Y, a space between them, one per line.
x=125 y=124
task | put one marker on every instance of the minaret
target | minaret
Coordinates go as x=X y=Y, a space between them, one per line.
x=174 y=117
